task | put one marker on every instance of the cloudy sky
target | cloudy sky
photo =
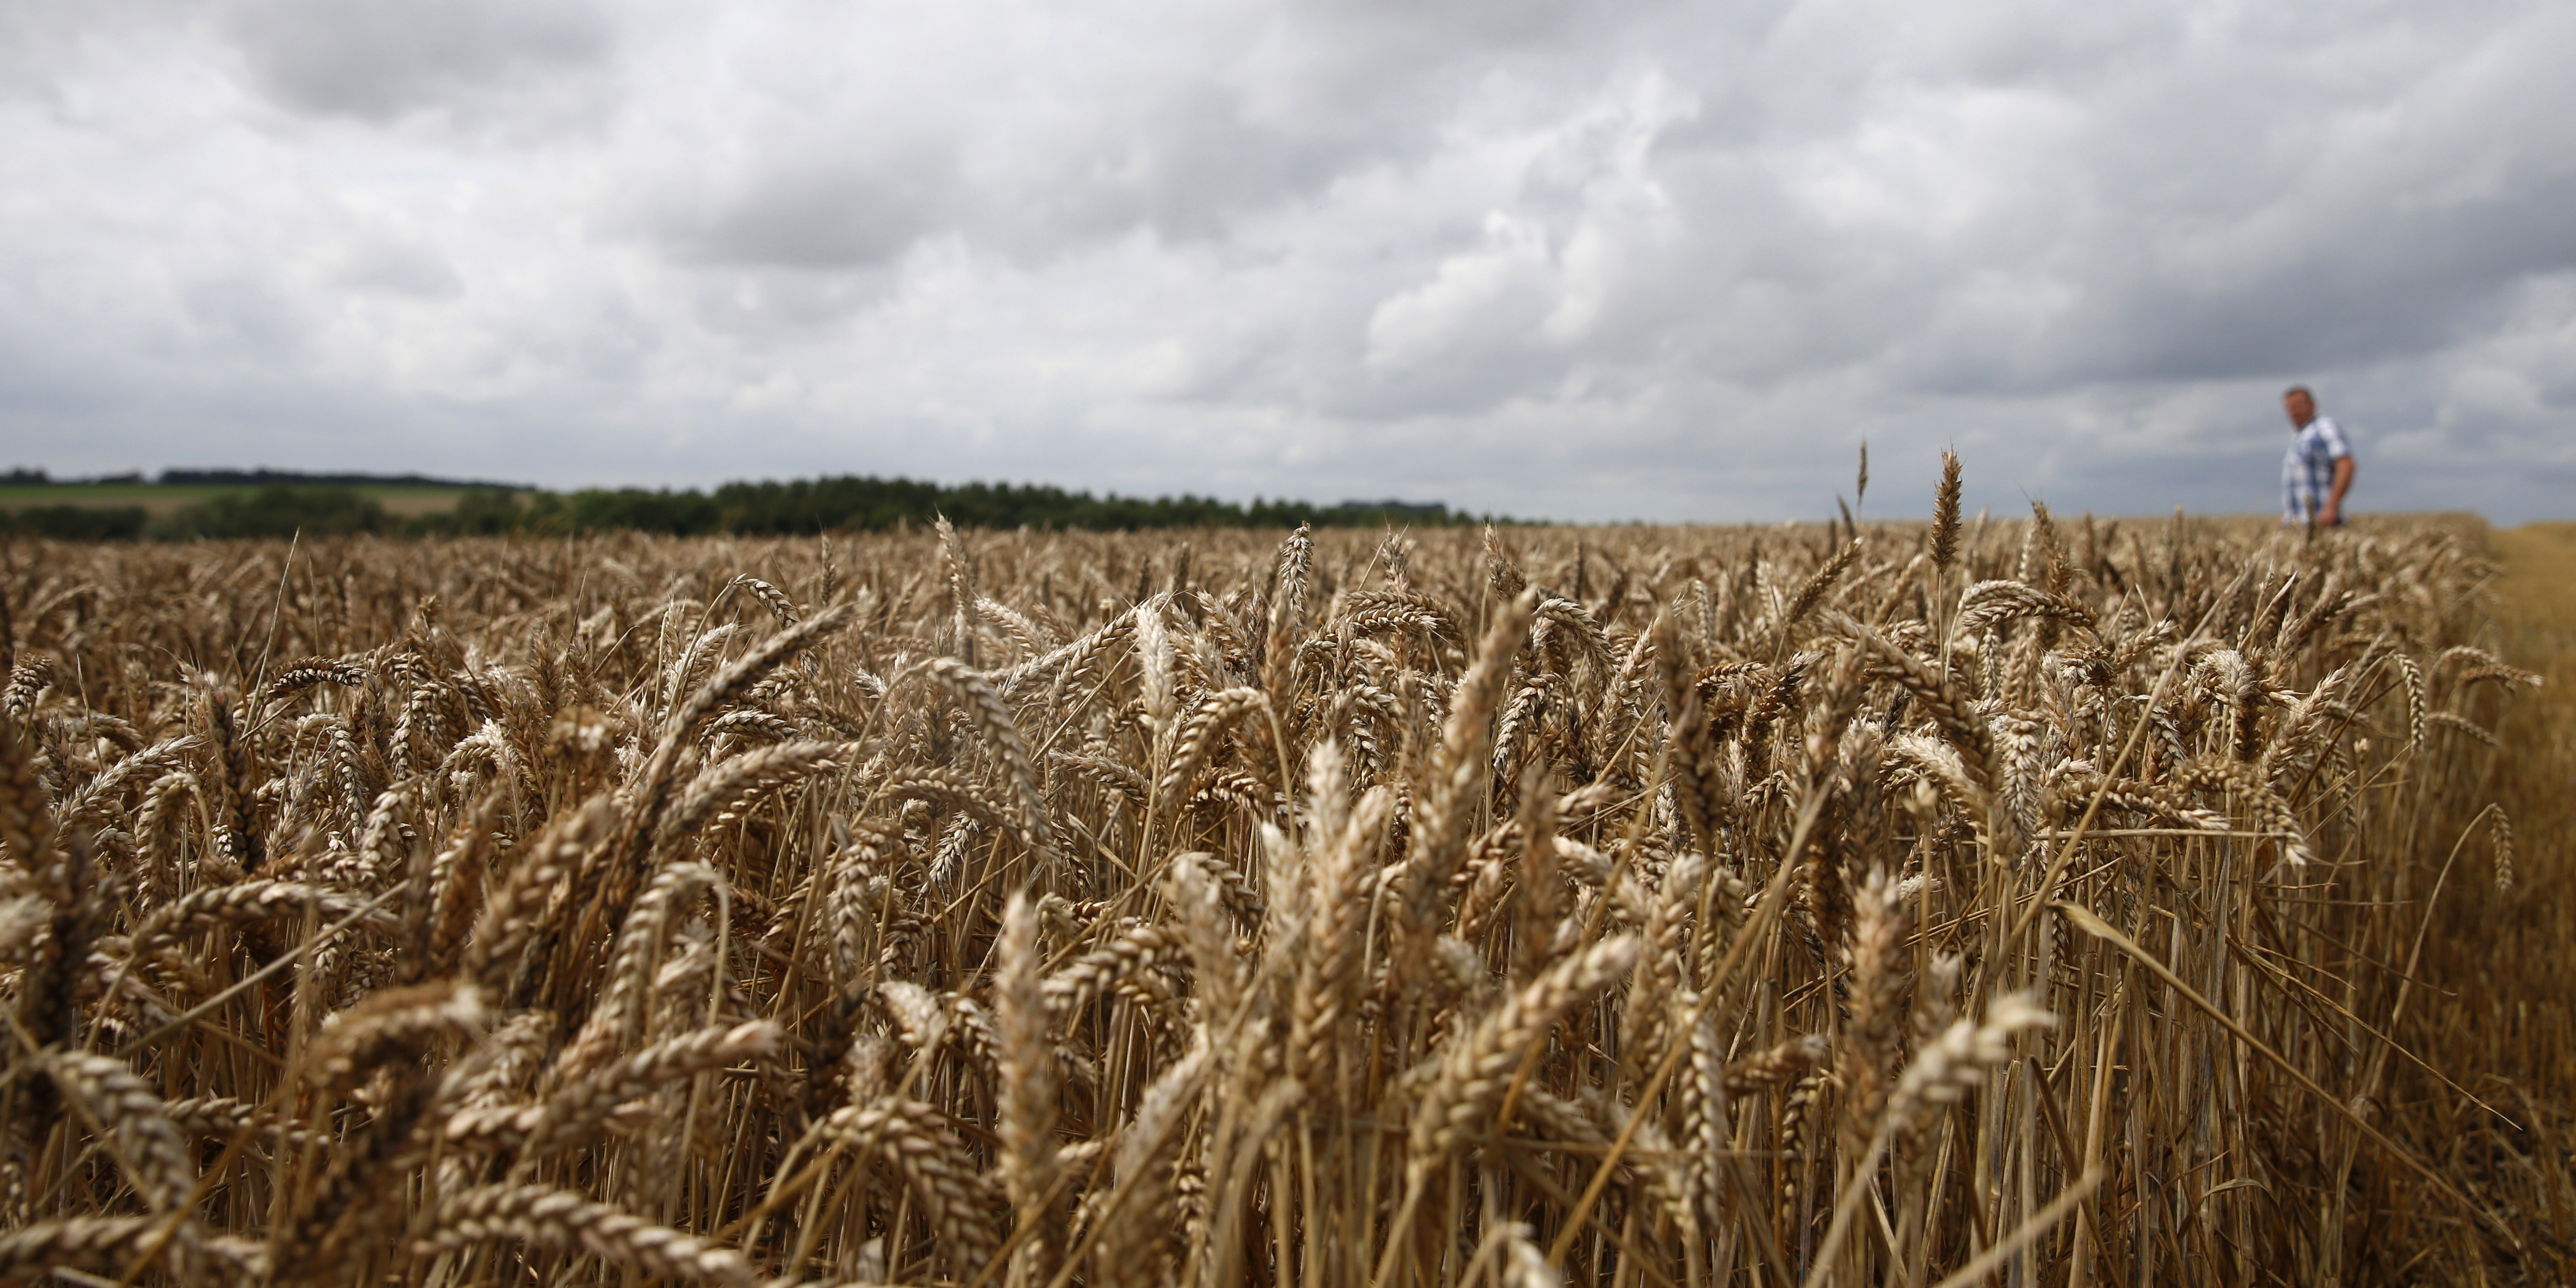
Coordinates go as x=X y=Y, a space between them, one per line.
x=1626 y=259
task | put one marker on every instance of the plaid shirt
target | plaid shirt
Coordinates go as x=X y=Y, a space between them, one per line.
x=2307 y=470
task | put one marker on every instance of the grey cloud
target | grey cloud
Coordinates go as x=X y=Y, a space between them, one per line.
x=1661 y=258
x=397 y=268
x=1188 y=166
x=771 y=304
x=381 y=59
x=811 y=213
x=1038 y=160
x=243 y=317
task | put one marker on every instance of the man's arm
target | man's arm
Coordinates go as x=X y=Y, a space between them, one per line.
x=2333 y=513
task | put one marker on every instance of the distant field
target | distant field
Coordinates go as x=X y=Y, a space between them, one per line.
x=157 y=498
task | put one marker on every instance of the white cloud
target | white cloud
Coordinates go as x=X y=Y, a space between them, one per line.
x=1656 y=258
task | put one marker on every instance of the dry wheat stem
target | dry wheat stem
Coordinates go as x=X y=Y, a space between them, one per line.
x=941 y=907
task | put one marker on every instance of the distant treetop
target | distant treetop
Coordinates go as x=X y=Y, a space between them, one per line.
x=852 y=502
x=268 y=502
x=265 y=477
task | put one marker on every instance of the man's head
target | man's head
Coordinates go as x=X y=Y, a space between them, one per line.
x=2300 y=405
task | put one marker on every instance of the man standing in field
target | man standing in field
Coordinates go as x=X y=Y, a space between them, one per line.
x=2317 y=471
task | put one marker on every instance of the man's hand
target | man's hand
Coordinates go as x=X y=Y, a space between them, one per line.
x=2331 y=514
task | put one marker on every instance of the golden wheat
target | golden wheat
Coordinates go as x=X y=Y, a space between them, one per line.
x=1872 y=905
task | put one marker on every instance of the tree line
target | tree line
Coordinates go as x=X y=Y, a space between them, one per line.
x=767 y=508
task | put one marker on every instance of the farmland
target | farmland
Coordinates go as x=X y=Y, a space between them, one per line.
x=1989 y=901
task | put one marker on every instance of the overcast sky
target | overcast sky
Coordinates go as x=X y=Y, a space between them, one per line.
x=1635 y=259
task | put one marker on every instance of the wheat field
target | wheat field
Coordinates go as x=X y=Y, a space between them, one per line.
x=1990 y=902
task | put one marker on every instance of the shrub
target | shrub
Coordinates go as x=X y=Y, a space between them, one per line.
x=77 y=522
x=276 y=511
